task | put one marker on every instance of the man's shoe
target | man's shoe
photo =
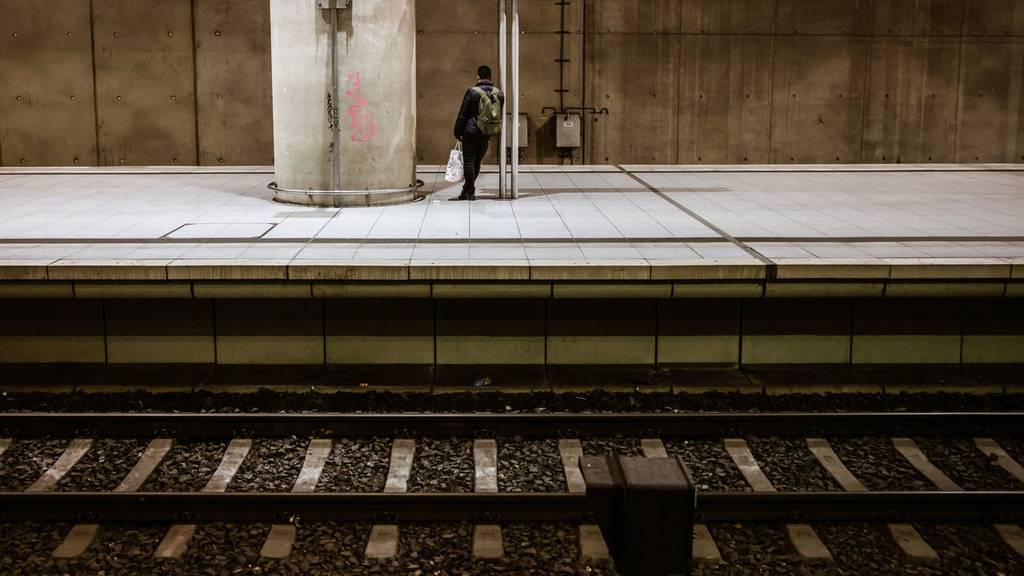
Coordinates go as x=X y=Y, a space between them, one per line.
x=471 y=198
x=457 y=199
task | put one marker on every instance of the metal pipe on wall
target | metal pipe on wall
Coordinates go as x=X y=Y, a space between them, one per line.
x=503 y=85
x=335 y=128
x=515 y=99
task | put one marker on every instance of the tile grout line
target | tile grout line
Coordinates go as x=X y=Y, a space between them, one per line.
x=770 y=273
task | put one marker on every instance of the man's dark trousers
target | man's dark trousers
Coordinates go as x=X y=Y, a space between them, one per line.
x=474 y=147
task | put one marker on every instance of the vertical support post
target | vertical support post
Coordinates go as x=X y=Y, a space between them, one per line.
x=515 y=99
x=335 y=128
x=503 y=85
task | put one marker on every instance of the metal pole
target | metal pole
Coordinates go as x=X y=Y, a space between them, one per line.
x=515 y=99
x=503 y=85
x=335 y=128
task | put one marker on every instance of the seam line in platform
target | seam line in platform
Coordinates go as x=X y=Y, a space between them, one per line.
x=770 y=273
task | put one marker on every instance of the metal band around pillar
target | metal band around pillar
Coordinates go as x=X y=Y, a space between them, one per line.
x=340 y=198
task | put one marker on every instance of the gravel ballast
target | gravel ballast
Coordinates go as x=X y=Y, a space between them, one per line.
x=790 y=465
x=186 y=468
x=711 y=467
x=26 y=460
x=615 y=445
x=356 y=465
x=877 y=464
x=529 y=466
x=442 y=465
x=103 y=466
x=272 y=465
x=961 y=460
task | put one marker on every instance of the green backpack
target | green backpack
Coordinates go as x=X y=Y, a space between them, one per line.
x=488 y=119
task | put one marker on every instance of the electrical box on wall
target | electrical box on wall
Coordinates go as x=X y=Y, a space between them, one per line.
x=567 y=130
x=524 y=130
x=338 y=4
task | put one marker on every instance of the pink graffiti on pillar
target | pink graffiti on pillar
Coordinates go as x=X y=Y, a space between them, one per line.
x=364 y=127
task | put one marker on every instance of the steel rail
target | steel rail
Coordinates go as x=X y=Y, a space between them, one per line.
x=267 y=425
x=504 y=507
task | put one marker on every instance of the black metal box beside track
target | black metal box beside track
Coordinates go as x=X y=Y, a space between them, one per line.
x=645 y=508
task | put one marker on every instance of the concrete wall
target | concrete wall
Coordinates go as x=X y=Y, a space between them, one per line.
x=527 y=332
x=685 y=81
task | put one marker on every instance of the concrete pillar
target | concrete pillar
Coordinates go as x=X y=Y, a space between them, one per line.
x=376 y=59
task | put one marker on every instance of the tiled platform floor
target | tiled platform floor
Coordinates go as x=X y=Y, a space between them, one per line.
x=598 y=215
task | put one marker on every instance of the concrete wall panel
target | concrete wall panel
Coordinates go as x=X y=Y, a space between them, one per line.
x=145 y=86
x=47 y=111
x=796 y=332
x=490 y=332
x=993 y=331
x=919 y=17
x=906 y=332
x=911 y=100
x=727 y=16
x=817 y=102
x=725 y=105
x=629 y=16
x=636 y=76
x=52 y=331
x=380 y=331
x=232 y=47
x=993 y=17
x=698 y=331
x=601 y=332
x=270 y=331
x=824 y=17
x=160 y=331
x=991 y=114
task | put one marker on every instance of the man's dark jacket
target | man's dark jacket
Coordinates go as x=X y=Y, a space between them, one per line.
x=466 y=122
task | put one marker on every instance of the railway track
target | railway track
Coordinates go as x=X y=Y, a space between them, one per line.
x=484 y=503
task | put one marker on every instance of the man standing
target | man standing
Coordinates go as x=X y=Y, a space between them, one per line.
x=479 y=119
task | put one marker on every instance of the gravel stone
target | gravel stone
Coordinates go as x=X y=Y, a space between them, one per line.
x=529 y=466
x=25 y=547
x=500 y=402
x=186 y=468
x=970 y=549
x=118 y=549
x=540 y=549
x=615 y=445
x=442 y=465
x=26 y=460
x=877 y=464
x=356 y=465
x=790 y=466
x=750 y=549
x=103 y=467
x=961 y=460
x=710 y=465
x=272 y=465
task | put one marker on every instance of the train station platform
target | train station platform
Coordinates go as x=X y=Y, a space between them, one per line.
x=592 y=264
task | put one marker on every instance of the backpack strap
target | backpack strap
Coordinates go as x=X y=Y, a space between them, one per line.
x=480 y=91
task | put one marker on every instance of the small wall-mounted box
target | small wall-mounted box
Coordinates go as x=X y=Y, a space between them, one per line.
x=524 y=130
x=338 y=4
x=567 y=130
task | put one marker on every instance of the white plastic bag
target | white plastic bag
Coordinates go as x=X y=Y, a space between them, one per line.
x=455 y=171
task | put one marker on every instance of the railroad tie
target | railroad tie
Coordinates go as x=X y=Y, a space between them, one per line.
x=5 y=443
x=175 y=542
x=822 y=450
x=802 y=537
x=653 y=448
x=382 y=545
x=485 y=465
x=993 y=450
x=571 y=450
x=487 y=538
x=72 y=454
x=81 y=536
x=909 y=449
x=402 y=453
x=281 y=538
x=912 y=546
x=1013 y=535
x=593 y=550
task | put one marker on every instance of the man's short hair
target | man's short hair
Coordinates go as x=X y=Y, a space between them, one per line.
x=483 y=72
